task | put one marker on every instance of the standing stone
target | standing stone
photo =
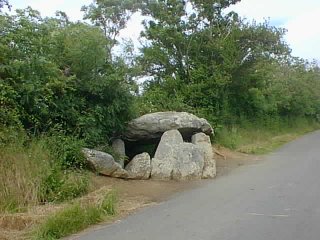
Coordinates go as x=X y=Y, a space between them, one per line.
x=140 y=166
x=104 y=163
x=118 y=146
x=189 y=162
x=163 y=162
x=203 y=142
x=162 y=169
x=175 y=159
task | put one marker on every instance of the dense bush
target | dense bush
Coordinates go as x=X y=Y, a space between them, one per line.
x=57 y=73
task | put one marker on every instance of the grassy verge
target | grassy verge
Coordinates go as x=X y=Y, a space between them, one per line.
x=33 y=171
x=262 y=137
x=76 y=217
x=47 y=170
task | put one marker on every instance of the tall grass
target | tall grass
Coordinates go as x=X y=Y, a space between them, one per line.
x=76 y=217
x=22 y=172
x=264 y=135
x=30 y=173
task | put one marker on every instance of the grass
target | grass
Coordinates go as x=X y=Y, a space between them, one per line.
x=30 y=174
x=22 y=171
x=262 y=137
x=49 y=169
x=76 y=217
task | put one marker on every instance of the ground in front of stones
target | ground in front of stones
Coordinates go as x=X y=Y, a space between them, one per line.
x=132 y=194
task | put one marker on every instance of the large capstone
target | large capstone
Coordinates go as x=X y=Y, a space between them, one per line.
x=153 y=125
x=177 y=160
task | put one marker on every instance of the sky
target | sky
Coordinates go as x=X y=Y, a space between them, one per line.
x=300 y=18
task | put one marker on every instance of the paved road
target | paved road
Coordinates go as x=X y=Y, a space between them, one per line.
x=277 y=199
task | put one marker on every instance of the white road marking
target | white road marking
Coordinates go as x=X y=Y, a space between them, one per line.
x=266 y=215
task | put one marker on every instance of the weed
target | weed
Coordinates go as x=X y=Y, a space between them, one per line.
x=64 y=185
x=108 y=203
x=76 y=217
x=68 y=221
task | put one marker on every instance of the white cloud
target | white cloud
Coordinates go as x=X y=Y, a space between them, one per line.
x=134 y=27
x=274 y=9
x=300 y=18
x=48 y=8
x=303 y=34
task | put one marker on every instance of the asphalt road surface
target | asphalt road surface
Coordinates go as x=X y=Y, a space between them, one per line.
x=276 y=199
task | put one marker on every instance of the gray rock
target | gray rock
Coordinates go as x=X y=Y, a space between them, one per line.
x=104 y=163
x=118 y=146
x=176 y=160
x=162 y=168
x=203 y=142
x=153 y=125
x=140 y=166
x=190 y=161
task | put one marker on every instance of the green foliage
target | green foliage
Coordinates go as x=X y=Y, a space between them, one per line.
x=108 y=203
x=157 y=99
x=59 y=74
x=31 y=174
x=68 y=221
x=76 y=217
x=54 y=72
x=212 y=63
x=229 y=137
x=66 y=150
x=60 y=186
x=110 y=15
x=263 y=135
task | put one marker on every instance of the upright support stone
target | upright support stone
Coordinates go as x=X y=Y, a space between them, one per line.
x=203 y=142
x=140 y=166
x=175 y=159
x=164 y=160
x=118 y=146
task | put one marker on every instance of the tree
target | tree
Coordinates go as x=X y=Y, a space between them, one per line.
x=204 y=55
x=4 y=3
x=55 y=74
x=111 y=16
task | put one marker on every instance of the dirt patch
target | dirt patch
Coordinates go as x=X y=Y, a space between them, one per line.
x=17 y=226
x=147 y=190
x=132 y=194
x=231 y=160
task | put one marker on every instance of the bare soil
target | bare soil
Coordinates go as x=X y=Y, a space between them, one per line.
x=232 y=160
x=132 y=194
